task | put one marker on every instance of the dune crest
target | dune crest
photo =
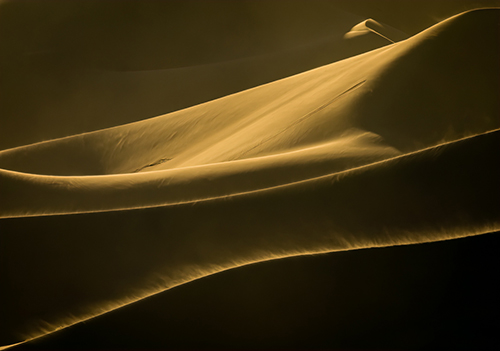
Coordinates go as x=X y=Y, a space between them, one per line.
x=391 y=147
x=371 y=26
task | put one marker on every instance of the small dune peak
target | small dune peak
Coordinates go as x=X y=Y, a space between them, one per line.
x=371 y=26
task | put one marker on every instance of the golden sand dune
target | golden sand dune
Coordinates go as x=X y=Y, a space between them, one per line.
x=391 y=147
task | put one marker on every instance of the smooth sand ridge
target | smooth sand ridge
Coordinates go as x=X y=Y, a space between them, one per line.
x=32 y=195
x=355 y=105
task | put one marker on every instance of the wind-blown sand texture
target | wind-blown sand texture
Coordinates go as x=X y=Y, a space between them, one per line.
x=398 y=145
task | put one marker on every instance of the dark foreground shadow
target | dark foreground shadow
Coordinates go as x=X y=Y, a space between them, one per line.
x=423 y=296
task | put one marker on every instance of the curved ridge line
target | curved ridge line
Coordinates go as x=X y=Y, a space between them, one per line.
x=491 y=229
x=214 y=198
x=168 y=170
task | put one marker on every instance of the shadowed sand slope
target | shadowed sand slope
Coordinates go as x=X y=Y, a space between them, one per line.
x=391 y=147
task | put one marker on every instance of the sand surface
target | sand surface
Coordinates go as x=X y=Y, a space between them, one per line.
x=372 y=138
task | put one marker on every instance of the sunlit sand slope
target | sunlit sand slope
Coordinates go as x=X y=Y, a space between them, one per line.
x=63 y=96
x=392 y=147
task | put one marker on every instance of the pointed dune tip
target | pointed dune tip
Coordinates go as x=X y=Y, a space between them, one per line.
x=371 y=26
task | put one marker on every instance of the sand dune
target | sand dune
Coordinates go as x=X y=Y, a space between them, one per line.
x=391 y=147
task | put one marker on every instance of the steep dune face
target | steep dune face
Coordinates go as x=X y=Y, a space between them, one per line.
x=391 y=147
